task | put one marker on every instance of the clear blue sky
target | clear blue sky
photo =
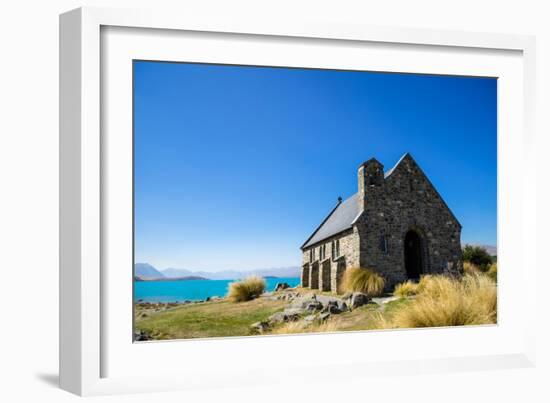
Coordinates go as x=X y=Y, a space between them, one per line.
x=236 y=166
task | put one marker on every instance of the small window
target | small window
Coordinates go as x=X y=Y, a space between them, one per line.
x=333 y=249
x=383 y=244
x=311 y=255
x=337 y=247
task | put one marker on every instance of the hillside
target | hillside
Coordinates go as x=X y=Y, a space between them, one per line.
x=145 y=271
x=277 y=272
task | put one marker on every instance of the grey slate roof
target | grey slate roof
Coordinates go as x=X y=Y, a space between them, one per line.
x=342 y=217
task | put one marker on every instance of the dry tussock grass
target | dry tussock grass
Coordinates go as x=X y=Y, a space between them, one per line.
x=492 y=272
x=357 y=279
x=406 y=289
x=446 y=301
x=247 y=289
x=303 y=327
x=471 y=269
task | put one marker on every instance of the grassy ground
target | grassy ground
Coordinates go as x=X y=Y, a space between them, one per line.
x=434 y=301
x=225 y=318
x=208 y=319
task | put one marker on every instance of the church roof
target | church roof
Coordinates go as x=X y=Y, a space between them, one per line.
x=342 y=217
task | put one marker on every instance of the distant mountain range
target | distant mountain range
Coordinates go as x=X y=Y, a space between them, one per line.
x=147 y=272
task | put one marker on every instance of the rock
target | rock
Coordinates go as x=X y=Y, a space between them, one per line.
x=313 y=306
x=332 y=309
x=260 y=327
x=343 y=306
x=359 y=299
x=303 y=302
x=285 y=316
x=294 y=311
x=142 y=335
x=281 y=286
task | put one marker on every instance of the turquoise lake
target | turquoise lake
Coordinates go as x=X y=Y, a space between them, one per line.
x=193 y=290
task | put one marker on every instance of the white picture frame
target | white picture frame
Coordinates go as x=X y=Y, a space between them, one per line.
x=96 y=352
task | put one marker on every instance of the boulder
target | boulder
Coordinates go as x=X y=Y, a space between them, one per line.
x=303 y=302
x=313 y=306
x=332 y=308
x=347 y=295
x=359 y=299
x=343 y=306
x=294 y=311
x=285 y=316
x=260 y=327
x=281 y=286
x=142 y=335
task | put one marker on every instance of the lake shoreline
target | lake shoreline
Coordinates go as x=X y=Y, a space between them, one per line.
x=193 y=291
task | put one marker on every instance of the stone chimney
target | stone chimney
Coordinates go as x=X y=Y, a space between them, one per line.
x=370 y=176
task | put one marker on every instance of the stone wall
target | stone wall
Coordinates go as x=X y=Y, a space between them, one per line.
x=325 y=275
x=404 y=201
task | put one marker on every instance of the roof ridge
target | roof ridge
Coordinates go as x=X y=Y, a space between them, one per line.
x=390 y=171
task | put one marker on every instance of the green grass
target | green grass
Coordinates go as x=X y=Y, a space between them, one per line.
x=437 y=301
x=226 y=319
x=210 y=319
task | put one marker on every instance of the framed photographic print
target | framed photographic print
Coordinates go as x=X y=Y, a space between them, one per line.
x=351 y=195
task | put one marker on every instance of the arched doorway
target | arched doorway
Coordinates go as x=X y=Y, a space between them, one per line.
x=413 y=255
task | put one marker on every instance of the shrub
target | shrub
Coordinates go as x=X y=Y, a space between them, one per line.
x=357 y=279
x=406 y=289
x=247 y=289
x=478 y=256
x=446 y=301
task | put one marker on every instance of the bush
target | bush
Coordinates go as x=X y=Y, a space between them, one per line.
x=406 y=289
x=357 y=279
x=478 y=256
x=247 y=289
x=446 y=301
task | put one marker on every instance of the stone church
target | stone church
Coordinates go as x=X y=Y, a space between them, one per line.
x=397 y=224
